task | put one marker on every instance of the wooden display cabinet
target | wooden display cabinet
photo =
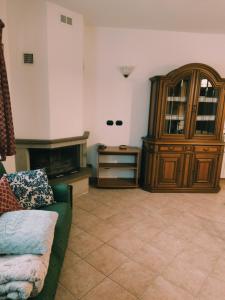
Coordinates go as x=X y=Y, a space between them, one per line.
x=183 y=150
x=118 y=182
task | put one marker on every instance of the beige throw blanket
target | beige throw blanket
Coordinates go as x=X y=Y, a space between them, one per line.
x=22 y=276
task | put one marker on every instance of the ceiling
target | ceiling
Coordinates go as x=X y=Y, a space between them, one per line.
x=206 y=16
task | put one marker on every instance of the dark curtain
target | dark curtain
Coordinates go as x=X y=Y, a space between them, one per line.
x=7 y=139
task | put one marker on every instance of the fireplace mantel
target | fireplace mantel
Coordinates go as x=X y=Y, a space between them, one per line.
x=23 y=146
x=52 y=143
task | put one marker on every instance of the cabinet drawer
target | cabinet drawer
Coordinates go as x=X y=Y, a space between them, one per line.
x=205 y=149
x=171 y=148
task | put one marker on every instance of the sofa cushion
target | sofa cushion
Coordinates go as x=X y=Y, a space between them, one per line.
x=27 y=232
x=8 y=201
x=31 y=188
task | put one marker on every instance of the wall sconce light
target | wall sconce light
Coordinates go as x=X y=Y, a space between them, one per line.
x=126 y=70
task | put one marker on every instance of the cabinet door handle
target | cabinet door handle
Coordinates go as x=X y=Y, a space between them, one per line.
x=171 y=148
x=206 y=149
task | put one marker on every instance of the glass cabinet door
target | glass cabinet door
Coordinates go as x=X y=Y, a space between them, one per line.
x=208 y=98
x=176 y=107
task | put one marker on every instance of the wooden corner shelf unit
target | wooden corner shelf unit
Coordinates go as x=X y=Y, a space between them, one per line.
x=118 y=182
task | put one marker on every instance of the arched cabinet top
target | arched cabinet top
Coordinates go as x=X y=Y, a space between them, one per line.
x=202 y=68
x=208 y=71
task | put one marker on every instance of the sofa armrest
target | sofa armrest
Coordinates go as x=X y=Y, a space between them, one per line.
x=63 y=193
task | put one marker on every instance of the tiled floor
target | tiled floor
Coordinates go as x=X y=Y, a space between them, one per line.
x=131 y=244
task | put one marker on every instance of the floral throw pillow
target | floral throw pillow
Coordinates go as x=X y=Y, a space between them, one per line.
x=31 y=188
x=8 y=201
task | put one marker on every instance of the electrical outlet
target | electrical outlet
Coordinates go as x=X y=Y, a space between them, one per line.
x=109 y=122
x=119 y=123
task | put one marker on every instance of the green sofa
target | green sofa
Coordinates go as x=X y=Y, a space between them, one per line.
x=63 y=206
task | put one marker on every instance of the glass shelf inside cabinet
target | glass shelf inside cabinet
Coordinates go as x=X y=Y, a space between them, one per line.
x=176 y=106
x=207 y=108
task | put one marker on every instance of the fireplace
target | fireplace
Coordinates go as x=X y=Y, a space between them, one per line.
x=60 y=157
x=65 y=160
x=57 y=162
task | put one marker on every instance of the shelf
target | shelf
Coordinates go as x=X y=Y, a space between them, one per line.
x=117 y=183
x=205 y=118
x=176 y=99
x=174 y=118
x=118 y=165
x=207 y=99
x=121 y=166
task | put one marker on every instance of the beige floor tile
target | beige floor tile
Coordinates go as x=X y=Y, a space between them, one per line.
x=75 y=230
x=154 y=202
x=123 y=220
x=70 y=260
x=185 y=277
x=152 y=258
x=209 y=242
x=169 y=243
x=109 y=290
x=83 y=244
x=91 y=194
x=213 y=289
x=196 y=258
x=106 y=259
x=204 y=211
x=219 y=269
x=170 y=215
x=101 y=197
x=133 y=277
x=125 y=201
x=110 y=199
x=63 y=294
x=182 y=203
x=85 y=203
x=85 y=220
x=181 y=231
x=126 y=243
x=146 y=204
x=105 y=211
x=156 y=221
x=214 y=228
x=81 y=279
x=138 y=212
x=190 y=220
x=162 y=289
x=104 y=231
x=77 y=212
x=144 y=231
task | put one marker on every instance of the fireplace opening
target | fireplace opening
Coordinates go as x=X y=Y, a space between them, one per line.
x=57 y=162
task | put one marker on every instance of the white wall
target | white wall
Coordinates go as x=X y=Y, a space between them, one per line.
x=48 y=95
x=109 y=96
x=65 y=72
x=29 y=83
